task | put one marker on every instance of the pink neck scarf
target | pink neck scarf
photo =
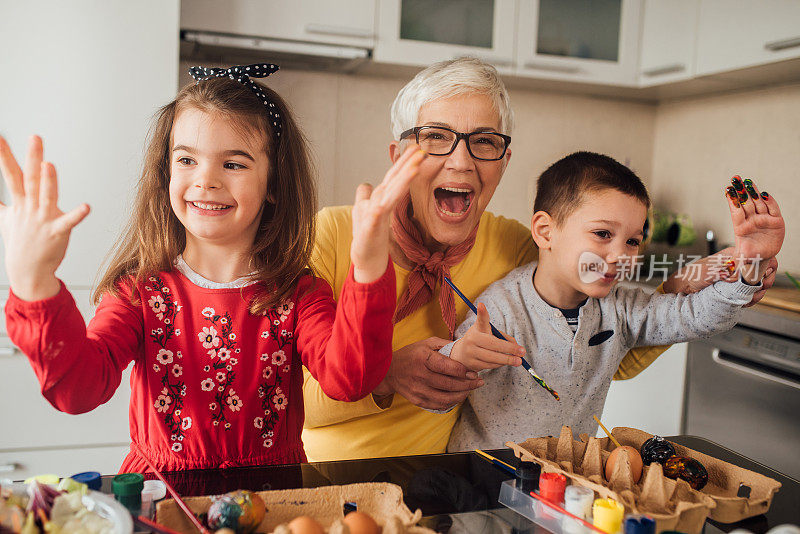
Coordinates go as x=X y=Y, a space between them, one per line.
x=429 y=268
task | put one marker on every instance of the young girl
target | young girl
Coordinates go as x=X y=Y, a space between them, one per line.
x=208 y=292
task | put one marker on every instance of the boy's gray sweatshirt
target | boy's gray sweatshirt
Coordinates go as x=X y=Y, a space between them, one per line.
x=580 y=366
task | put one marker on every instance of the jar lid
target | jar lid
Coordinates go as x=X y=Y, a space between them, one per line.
x=90 y=478
x=528 y=470
x=552 y=483
x=639 y=524
x=154 y=489
x=579 y=494
x=128 y=484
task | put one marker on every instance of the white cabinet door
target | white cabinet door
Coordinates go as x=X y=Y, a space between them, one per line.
x=88 y=77
x=344 y=22
x=652 y=401
x=746 y=33
x=669 y=37
x=594 y=41
x=29 y=421
x=421 y=32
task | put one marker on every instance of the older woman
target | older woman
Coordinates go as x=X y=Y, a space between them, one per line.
x=441 y=230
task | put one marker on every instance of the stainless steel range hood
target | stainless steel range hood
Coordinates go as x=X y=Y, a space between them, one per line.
x=293 y=54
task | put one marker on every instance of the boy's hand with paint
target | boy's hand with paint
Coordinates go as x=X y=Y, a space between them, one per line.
x=758 y=227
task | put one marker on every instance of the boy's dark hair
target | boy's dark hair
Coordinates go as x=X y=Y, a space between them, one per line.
x=561 y=187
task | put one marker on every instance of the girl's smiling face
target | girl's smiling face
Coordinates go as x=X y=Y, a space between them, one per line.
x=218 y=179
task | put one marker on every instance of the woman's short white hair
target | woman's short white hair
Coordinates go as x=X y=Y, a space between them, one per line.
x=447 y=79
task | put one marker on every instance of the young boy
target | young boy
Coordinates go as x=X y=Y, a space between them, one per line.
x=569 y=315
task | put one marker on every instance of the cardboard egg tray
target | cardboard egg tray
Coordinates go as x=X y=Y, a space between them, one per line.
x=382 y=501
x=723 y=479
x=672 y=503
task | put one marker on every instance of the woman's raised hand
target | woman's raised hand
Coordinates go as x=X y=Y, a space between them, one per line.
x=372 y=214
x=35 y=232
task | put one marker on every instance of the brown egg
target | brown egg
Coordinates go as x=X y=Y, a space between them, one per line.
x=305 y=525
x=361 y=523
x=633 y=456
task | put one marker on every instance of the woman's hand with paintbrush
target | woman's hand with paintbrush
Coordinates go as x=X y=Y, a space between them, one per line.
x=479 y=349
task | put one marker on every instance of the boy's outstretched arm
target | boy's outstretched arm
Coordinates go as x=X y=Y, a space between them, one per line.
x=759 y=230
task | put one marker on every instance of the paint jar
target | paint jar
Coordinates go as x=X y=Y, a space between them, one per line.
x=608 y=515
x=551 y=488
x=527 y=475
x=127 y=489
x=578 y=501
x=640 y=524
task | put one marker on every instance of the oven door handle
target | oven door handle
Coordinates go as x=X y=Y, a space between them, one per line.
x=718 y=358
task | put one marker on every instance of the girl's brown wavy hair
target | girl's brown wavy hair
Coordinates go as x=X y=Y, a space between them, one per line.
x=154 y=237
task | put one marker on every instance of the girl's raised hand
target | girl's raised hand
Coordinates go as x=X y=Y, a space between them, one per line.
x=35 y=231
x=372 y=213
x=758 y=226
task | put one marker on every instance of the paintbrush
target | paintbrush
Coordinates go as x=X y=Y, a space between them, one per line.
x=496 y=333
x=497 y=462
x=193 y=518
x=606 y=431
x=153 y=526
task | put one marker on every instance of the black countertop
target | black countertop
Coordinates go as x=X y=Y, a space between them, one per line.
x=451 y=488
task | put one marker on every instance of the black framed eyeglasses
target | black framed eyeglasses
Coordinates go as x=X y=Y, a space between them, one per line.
x=441 y=141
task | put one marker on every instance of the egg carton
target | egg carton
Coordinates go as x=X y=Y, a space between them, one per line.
x=724 y=479
x=383 y=501
x=673 y=504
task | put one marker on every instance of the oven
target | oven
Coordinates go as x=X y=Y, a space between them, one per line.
x=743 y=392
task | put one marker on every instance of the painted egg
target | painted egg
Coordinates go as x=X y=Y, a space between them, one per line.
x=656 y=449
x=253 y=509
x=224 y=513
x=688 y=469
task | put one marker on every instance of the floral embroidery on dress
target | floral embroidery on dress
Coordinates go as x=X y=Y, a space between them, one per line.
x=273 y=399
x=169 y=402
x=220 y=342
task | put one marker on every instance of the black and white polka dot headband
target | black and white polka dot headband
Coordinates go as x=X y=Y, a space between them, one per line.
x=242 y=74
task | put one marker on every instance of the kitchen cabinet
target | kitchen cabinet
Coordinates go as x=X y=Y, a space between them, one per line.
x=669 y=40
x=653 y=400
x=419 y=32
x=592 y=41
x=36 y=438
x=746 y=33
x=577 y=40
x=344 y=22
x=88 y=77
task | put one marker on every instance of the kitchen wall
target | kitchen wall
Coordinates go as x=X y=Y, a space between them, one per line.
x=700 y=142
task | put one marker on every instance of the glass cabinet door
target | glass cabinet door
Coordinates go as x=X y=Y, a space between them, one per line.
x=420 y=32
x=582 y=40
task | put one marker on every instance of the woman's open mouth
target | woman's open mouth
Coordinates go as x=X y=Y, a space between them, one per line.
x=453 y=201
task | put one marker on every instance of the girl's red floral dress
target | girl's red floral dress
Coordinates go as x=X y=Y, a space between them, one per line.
x=212 y=385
